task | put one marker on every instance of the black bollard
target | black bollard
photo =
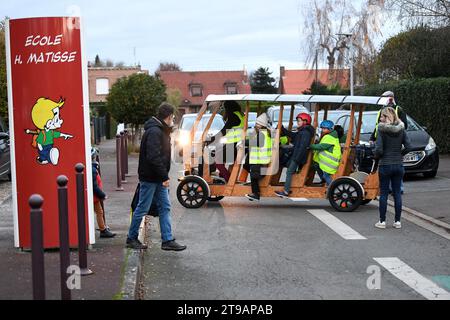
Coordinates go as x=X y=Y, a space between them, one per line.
x=37 y=247
x=81 y=215
x=118 y=163
x=126 y=152
x=123 y=155
x=64 y=253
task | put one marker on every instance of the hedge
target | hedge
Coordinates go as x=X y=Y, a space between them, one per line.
x=425 y=100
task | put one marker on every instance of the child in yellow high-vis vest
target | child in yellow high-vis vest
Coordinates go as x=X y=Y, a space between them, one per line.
x=259 y=155
x=327 y=153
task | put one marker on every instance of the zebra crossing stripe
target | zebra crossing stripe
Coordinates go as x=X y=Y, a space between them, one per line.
x=336 y=225
x=413 y=279
x=299 y=199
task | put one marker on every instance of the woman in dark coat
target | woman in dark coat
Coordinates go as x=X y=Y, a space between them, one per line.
x=390 y=147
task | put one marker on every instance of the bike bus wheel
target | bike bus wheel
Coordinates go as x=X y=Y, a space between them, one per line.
x=192 y=192
x=345 y=194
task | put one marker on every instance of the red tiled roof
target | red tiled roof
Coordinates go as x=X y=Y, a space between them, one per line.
x=297 y=81
x=213 y=82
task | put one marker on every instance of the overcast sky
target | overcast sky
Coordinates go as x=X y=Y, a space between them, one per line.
x=196 y=34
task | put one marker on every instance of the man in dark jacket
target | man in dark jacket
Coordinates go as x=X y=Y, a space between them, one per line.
x=154 y=166
x=302 y=140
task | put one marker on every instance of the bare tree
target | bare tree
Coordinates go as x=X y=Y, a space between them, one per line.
x=109 y=63
x=167 y=66
x=431 y=12
x=327 y=21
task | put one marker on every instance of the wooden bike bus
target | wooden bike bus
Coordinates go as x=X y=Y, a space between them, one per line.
x=350 y=188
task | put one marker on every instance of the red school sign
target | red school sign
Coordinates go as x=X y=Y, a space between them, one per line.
x=48 y=120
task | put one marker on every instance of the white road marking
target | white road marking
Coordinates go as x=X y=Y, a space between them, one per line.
x=336 y=225
x=299 y=199
x=413 y=279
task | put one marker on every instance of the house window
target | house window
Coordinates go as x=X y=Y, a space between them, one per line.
x=230 y=87
x=102 y=86
x=196 y=90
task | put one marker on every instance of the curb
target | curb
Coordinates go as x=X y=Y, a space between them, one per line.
x=134 y=261
x=424 y=217
x=438 y=227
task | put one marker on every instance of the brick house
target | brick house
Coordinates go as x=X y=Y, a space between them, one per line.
x=297 y=81
x=101 y=80
x=195 y=86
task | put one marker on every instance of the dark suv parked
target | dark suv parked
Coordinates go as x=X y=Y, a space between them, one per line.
x=424 y=157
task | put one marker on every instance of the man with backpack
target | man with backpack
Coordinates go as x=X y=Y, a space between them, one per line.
x=153 y=170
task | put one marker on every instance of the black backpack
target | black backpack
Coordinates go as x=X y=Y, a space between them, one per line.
x=153 y=211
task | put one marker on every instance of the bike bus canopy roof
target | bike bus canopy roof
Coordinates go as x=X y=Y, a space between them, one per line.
x=299 y=98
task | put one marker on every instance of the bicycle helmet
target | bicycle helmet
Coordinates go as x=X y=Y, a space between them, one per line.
x=304 y=116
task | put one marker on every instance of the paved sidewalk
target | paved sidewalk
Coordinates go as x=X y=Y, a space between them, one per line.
x=106 y=259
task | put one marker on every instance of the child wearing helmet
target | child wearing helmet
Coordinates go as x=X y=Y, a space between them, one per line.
x=99 y=196
x=327 y=153
x=301 y=140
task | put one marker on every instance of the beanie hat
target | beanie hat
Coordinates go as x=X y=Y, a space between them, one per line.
x=262 y=120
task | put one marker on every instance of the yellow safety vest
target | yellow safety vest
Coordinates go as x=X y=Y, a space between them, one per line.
x=329 y=161
x=262 y=155
x=234 y=134
x=378 y=120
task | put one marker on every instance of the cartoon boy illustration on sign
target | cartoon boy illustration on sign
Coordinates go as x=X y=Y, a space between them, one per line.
x=45 y=116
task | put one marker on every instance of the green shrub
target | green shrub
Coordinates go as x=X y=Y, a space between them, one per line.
x=426 y=100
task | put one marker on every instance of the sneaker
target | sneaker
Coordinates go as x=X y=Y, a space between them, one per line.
x=172 y=245
x=397 y=225
x=107 y=233
x=381 y=225
x=252 y=197
x=135 y=244
x=282 y=194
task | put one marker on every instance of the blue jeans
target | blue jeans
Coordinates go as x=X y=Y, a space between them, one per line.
x=390 y=175
x=146 y=193
x=291 y=169
x=322 y=174
x=401 y=187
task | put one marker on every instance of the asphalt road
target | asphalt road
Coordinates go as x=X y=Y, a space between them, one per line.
x=278 y=249
x=430 y=196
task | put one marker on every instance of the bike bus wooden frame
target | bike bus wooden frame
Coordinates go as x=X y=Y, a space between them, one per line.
x=348 y=190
